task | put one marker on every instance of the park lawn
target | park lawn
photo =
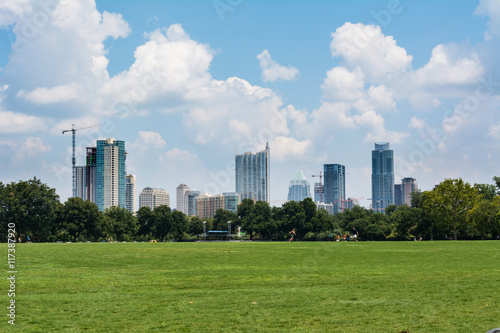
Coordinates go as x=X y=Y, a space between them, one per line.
x=451 y=286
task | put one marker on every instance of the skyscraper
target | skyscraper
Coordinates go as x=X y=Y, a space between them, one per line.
x=153 y=197
x=299 y=188
x=130 y=194
x=334 y=186
x=382 y=177
x=252 y=175
x=81 y=182
x=408 y=186
x=91 y=171
x=231 y=201
x=110 y=173
x=318 y=192
x=182 y=204
x=398 y=194
x=190 y=196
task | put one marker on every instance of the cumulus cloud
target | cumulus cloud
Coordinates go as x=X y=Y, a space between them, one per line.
x=342 y=85
x=148 y=141
x=366 y=47
x=15 y=122
x=286 y=147
x=490 y=8
x=416 y=123
x=450 y=64
x=272 y=71
x=32 y=146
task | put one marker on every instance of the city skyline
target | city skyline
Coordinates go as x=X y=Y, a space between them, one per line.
x=187 y=86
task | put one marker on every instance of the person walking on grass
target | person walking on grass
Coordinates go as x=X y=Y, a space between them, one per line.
x=292 y=235
x=355 y=234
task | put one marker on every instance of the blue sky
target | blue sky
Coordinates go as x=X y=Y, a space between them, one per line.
x=189 y=84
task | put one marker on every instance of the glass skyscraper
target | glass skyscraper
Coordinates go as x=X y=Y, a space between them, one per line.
x=252 y=175
x=382 y=177
x=130 y=194
x=110 y=173
x=299 y=188
x=334 y=186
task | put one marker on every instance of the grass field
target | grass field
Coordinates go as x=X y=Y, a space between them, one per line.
x=249 y=287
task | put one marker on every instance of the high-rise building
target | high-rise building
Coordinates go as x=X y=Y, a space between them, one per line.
x=350 y=203
x=190 y=196
x=408 y=186
x=231 y=201
x=153 y=197
x=252 y=175
x=382 y=177
x=398 y=195
x=130 y=194
x=207 y=205
x=182 y=204
x=318 y=192
x=299 y=188
x=334 y=186
x=81 y=182
x=91 y=171
x=110 y=174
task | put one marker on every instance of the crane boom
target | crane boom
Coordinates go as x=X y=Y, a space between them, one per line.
x=73 y=160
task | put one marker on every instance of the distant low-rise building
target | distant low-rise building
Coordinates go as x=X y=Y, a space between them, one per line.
x=153 y=197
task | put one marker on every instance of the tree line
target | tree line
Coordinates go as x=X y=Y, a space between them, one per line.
x=453 y=209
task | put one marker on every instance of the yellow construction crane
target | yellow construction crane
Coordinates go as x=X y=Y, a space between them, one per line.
x=74 y=158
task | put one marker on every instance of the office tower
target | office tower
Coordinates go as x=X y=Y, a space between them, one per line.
x=130 y=194
x=207 y=205
x=252 y=175
x=328 y=207
x=190 y=196
x=299 y=188
x=350 y=203
x=91 y=171
x=231 y=201
x=334 y=186
x=382 y=177
x=153 y=197
x=110 y=173
x=408 y=186
x=398 y=194
x=318 y=192
x=182 y=204
x=81 y=182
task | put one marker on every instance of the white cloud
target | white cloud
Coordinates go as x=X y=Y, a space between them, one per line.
x=494 y=131
x=32 y=146
x=366 y=47
x=374 y=124
x=450 y=64
x=490 y=8
x=416 y=123
x=147 y=141
x=15 y=122
x=182 y=156
x=42 y=95
x=272 y=71
x=286 y=147
x=342 y=85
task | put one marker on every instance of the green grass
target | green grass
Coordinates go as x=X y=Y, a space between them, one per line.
x=248 y=287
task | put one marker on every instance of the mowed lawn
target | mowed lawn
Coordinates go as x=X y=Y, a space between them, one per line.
x=257 y=287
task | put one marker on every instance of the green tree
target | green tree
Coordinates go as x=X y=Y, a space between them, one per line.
x=162 y=217
x=179 y=225
x=120 y=223
x=403 y=222
x=222 y=217
x=81 y=219
x=449 y=204
x=31 y=205
x=246 y=215
x=486 y=191
x=145 y=221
